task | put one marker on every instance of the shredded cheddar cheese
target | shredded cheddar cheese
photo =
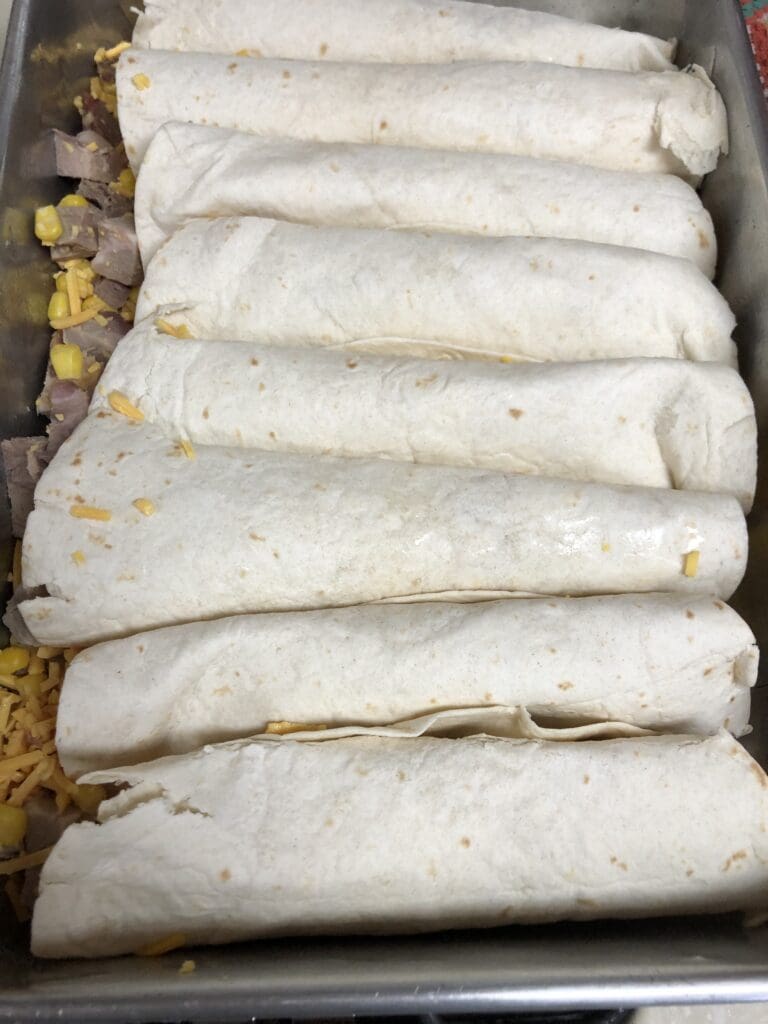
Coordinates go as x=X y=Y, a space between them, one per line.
x=78 y=557
x=90 y=512
x=141 y=81
x=284 y=728
x=163 y=945
x=187 y=967
x=691 y=563
x=187 y=448
x=26 y=860
x=145 y=506
x=175 y=330
x=120 y=403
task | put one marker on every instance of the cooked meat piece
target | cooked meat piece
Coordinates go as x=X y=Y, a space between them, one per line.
x=24 y=461
x=97 y=118
x=79 y=237
x=97 y=339
x=87 y=155
x=45 y=823
x=13 y=619
x=43 y=403
x=69 y=405
x=118 y=255
x=112 y=292
x=105 y=69
x=113 y=204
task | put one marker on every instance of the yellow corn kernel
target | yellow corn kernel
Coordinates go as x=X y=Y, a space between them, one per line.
x=74 y=320
x=125 y=184
x=61 y=282
x=103 y=515
x=73 y=200
x=121 y=404
x=94 y=302
x=58 y=304
x=175 y=330
x=145 y=506
x=141 y=82
x=13 y=659
x=691 y=563
x=13 y=825
x=47 y=224
x=78 y=557
x=163 y=945
x=73 y=291
x=116 y=50
x=83 y=268
x=67 y=362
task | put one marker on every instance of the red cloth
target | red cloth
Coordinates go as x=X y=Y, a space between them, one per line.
x=756 y=16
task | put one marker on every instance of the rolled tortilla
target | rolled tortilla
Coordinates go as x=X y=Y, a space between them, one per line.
x=236 y=530
x=668 y=121
x=394 y=31
x=192 y=171
x=521 y=298
x=399 y=835
x=649 y=422
x=664 y=662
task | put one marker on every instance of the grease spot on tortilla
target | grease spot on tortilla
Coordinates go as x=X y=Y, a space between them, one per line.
x=323 y=49
x=690 y=615
x=636 y=208
x=206 y=413
x=585 y=780
x=383 y=126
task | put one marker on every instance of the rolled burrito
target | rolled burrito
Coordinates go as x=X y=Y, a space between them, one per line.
x=372 y=834
x=192 y=171
x=219 y=531
x=668 y=121
x=520 y=298
x=650 y=422
x=394 y=31
x=665 y=662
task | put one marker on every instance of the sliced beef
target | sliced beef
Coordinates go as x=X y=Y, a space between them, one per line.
x=87 y=155
x=118 y=256
x=113 y=204
x=79 y=237
x=68 y=407
x=112 y=292
x=24 y=460
x=97 y=339
x=97 y=118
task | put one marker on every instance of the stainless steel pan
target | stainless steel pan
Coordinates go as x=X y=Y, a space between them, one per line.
x=47 y=57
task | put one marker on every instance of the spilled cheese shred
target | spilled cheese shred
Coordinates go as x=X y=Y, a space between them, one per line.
x=691 y=563
x=120 y=403
x=78 y=557
x=187 y=448
x=141 y=81
x=283 y=728
x=90 y=512
x=26 y=860
x=187 y=967
x=145 y=506
x=163 y=945
x=62 y=323
x=175 y=330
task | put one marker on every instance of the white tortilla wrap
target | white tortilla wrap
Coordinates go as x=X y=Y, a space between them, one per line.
x=192 y=171
x=668 y=121
x=237 y=530
x=393 y=31
x=369 y=834
x=521 y=298
x=664 y=662
x=649 y=422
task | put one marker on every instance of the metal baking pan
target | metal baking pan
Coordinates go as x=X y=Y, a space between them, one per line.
x=47 y=58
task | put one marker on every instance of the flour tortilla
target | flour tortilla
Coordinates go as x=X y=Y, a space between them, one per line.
x=540 y=299
x=193 y=171
x=664 y=662
x=393 y=31
x=369 y=834
x=236 y=530
x=668 y=121
x=649 y=422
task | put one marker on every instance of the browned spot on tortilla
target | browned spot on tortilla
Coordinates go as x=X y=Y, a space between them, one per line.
x=275 y=554
x=423 y=382
x=619 y=863
x=482 y=138
x=232 y=66
x=759 y=774
x=585 y=903
x=286 y=74
x=140 y=648
x=401 y=776
x=585 y=780
x=100 y=415
x=703 y=240
x=254 y=361
x=442 y=13
x=591 y=277
x=708 y=671
x=352 y=364
x=121 y=455
x=206 y=413
x=488 y=696
x=328 y=822
x=580 y=60
x=323 y=49
x=262 y=386
x=689 y=872
x=225 y=875
x=565 y=685
x=689 y=614
x=466 y=842
x=383 y=126
x=130 y=60
x=362 y=771
x=515 y=413
x=719 y=605
x=553 y=650
x=77 y=461
x=221 y=691
x=636 y=208
x=739 y=855
x=256 y=536
x=432 y=872
x=79 y=499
